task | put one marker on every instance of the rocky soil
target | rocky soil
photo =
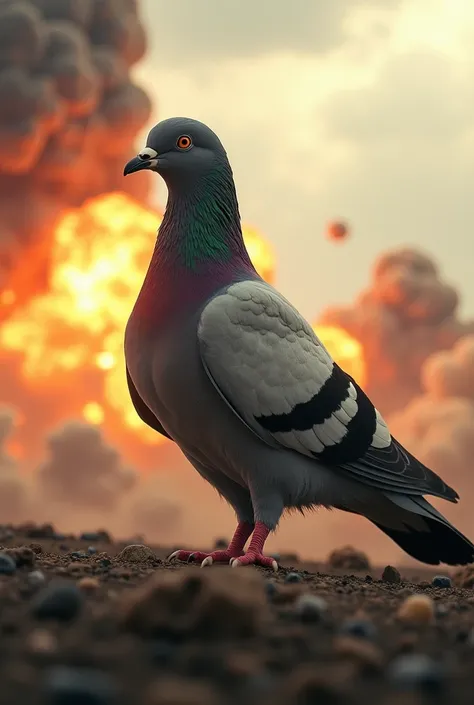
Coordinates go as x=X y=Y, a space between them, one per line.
x=88 y=621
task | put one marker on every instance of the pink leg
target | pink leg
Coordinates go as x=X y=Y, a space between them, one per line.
x=254 y=554
x=234 y=549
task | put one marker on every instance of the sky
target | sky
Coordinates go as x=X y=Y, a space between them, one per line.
x=361 y=110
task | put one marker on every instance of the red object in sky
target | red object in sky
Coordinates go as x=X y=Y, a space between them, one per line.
x=337 y=230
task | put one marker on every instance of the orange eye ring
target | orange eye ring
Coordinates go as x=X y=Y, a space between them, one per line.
x=184 y=142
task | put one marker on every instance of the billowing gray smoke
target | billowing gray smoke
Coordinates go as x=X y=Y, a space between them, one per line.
x=69 y=114
x=407 y=313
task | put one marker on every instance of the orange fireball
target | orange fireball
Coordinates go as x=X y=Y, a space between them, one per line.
x=100 y=254
x=344 y=349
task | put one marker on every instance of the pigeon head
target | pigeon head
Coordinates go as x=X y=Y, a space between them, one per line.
x=181 y=150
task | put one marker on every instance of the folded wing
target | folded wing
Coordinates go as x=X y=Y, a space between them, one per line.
x=273 y=371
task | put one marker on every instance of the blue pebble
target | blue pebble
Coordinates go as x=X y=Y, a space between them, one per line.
x=7 y=564
x=270 y=589
x=293 y=578
x=59 y=537
x=90 y=536
x=276 y=557
x=105 y=562
x=91 y=550
x=60 y=601
x=441 y=581
x=359 y=628
x=310 y=608
x=416 y=671
x=77 y=555
x=80 y=686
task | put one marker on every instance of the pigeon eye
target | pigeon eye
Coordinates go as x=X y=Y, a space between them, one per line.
x=184 y=142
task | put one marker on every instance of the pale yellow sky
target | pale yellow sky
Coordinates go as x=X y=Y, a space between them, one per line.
x=356 y=109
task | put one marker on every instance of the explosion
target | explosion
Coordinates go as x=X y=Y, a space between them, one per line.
x=99 y=256
x=344 y=349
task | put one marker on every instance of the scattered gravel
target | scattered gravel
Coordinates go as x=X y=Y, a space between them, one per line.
x=120 y=626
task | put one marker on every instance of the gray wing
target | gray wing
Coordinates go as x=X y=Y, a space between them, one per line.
x=277 y=376
x=146 y=415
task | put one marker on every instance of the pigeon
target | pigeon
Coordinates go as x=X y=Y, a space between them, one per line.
x=218 y=361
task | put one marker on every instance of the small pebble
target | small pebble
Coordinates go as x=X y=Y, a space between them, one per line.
x=41 y=642
x=293 y=578
x=58 y=537
x=417 y=609
x=270 y=589
x=77 y=555
x=441 y=581
x=359 y=628
x=91 y=550
x=36 y=578
x=61 y=601
x=276 y=557
x=80 y=686
x=364 y=652
x=7 y=564
x=136 y=553
x=310 y=608
x=89 y=584
x=105 y=562
x=416 y=671
x=391 y=575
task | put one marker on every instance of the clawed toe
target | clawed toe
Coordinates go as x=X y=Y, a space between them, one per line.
x=206 y=559
x=254 y=559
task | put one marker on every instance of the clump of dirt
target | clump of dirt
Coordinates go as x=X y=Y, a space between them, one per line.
x=348 y=558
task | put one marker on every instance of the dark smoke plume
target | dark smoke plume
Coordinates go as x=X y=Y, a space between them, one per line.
x=407 y=313
x=69 y=114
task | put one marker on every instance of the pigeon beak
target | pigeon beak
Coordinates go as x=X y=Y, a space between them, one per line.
x=138 y=163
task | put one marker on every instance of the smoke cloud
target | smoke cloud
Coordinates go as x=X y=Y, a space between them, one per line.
x=407 y=313
x=84 y=483
x=69 y=114
x=438 y=425
x=83 y=470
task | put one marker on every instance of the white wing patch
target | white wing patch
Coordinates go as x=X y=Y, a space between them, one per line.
x=381 y=437
x=275 y=358
x=266 y=359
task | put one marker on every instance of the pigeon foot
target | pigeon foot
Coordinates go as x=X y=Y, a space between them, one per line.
x=233 y=550
x=251 y=558
x=204 y=558
x=254 y=554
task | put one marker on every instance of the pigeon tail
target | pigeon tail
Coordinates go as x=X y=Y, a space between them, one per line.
x=425 y=534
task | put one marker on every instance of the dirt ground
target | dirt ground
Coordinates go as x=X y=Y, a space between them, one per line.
x=86 y=621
